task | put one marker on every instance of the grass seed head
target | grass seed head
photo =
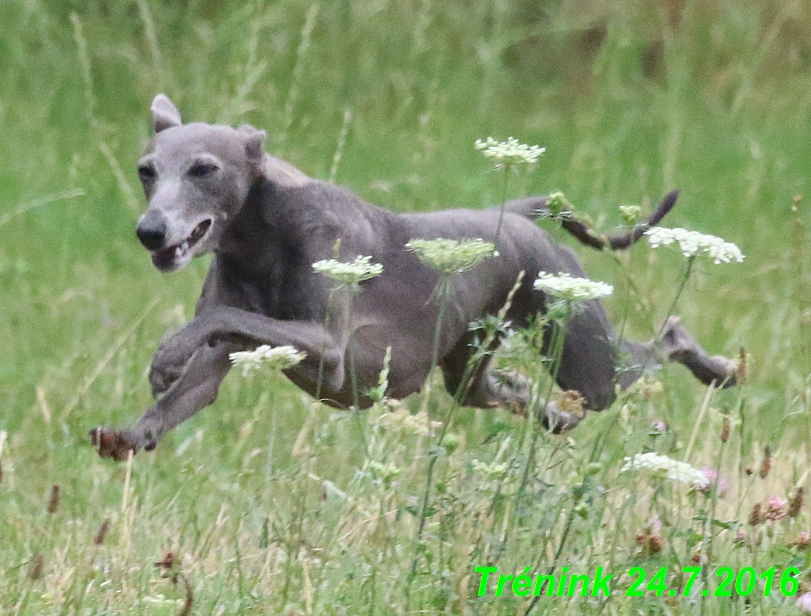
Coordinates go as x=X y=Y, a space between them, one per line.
x=37 y=567
x=53 y=500
x=766 y=463
x=102 y=534
x=796 y=504
x=756 y=516
x=725 y=427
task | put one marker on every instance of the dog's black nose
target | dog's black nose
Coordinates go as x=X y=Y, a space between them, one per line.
x=152 y=233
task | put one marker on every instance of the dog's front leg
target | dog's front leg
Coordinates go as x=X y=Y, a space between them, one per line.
x=216 y=334
x=172 y=356
x=196 y=388
x=248 y=330
x=324 y=348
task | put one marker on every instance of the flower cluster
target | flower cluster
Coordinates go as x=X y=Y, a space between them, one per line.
x=509 y=154
x=559 y=205
x=566 y=287
x=804 y=602
x=692 y=244
x=650 y=538
x=349 y=273
x=402 y=419
x=275 y=358
x=384 y=472
x=630 y=214
x=714 y=480
x=674 y=470
x=495 y=470
x=451 y=256
x=777 y=508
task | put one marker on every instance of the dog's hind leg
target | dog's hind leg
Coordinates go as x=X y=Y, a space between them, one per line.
x=481 y=386
x=678 y=345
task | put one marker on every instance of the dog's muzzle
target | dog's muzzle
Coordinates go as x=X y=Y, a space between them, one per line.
x=152 y=232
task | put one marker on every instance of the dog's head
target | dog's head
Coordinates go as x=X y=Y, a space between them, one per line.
x=196 y=178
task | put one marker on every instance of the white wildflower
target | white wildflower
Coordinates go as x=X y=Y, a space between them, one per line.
x=674 y=470
x=451 y=256
x=569 y=288
x=509 y=154
x=275 y=358
x=349 y=273
x=693 y=243
x=494 y=470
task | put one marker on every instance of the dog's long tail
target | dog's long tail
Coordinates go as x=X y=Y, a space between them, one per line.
x=537 y=207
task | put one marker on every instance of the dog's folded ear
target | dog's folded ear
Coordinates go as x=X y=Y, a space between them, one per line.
x=254 y=141
x=164 y=113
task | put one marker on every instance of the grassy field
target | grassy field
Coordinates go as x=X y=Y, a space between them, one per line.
x=266 y=503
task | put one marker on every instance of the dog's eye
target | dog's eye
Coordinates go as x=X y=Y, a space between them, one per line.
x=202 y=170
x=146 y=172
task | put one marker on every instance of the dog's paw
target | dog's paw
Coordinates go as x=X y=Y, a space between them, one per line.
x=559 y=422
x=110 y=443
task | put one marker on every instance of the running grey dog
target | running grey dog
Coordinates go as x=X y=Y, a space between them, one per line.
x=213 y=189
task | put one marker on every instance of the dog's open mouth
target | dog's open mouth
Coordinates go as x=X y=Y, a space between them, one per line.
x=168 y=258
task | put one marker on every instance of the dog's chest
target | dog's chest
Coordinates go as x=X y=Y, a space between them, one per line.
x=277 y=283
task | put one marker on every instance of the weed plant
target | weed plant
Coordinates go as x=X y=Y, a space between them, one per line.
x=265 y=503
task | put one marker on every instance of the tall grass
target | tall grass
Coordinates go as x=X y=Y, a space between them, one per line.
x=631 y=99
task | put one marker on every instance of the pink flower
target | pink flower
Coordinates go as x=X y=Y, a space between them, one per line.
x=804 y=602
x=802 y=540
x=658 y=426
x=778 y=508
x=714 y=480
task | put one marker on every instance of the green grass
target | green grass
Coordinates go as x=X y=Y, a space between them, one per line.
x=271 y=505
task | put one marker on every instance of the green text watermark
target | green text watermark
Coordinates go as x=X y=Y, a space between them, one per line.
x=635 y=582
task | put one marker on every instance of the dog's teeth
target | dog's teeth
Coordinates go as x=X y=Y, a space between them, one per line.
x=184 y=246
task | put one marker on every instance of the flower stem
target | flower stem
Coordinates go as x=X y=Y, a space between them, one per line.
x=353 y=375
x=503 y=204
x=320 y=380
x=443 y=296
x=687 y=271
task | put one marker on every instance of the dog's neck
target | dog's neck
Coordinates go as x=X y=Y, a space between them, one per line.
x=283 y=173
